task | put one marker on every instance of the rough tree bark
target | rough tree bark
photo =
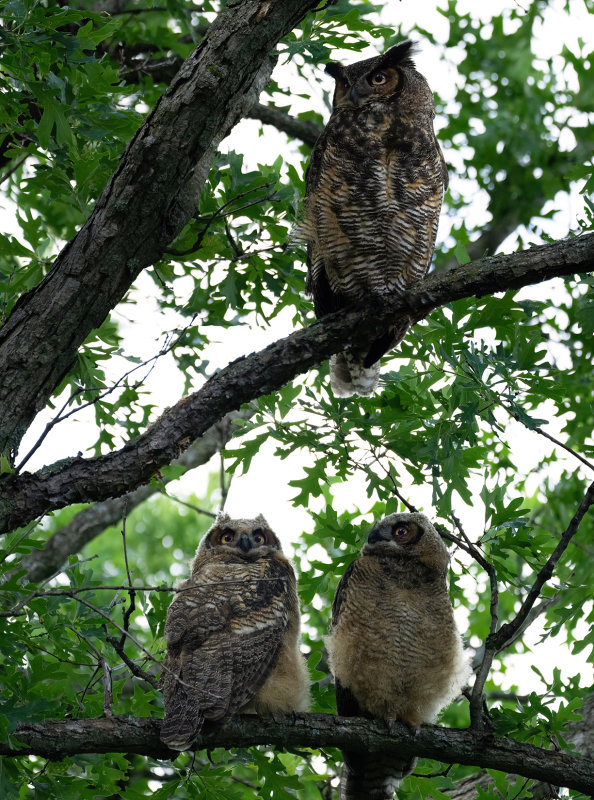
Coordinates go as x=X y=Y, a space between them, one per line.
x=151 y=196
x=27 y=496
x=57 y=740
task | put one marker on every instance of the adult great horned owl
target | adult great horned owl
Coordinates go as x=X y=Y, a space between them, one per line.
x=374 y=188
x=393 y=646
x=232 y=633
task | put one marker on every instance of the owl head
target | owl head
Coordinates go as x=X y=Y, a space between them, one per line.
x=408 y=536
x=389 y=77
x=247 y=538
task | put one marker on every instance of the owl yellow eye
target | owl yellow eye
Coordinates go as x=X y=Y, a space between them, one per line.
x=227 y=537
x=378 y=79
x=259 y=537
x=401 y=532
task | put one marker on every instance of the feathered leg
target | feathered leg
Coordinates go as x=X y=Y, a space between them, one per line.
x=372 y=776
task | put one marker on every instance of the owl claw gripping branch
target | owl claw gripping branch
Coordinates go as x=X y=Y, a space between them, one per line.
x=374 y=188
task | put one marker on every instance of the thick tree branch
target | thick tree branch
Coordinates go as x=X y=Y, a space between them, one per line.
x=151 y=196
x=580 y=734
x=57 y=740
x=302 y=129
x=27 y=496
x=90 y=522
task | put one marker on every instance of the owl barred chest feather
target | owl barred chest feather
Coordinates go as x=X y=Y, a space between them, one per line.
x=393 y=646
x=407 y=599
x=369 y=209
x=374 y=190
x=232 y=633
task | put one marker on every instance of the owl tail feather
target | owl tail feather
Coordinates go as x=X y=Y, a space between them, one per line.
x=393 y=336
x=182 y=723
x=372 y=777
x=348 y=376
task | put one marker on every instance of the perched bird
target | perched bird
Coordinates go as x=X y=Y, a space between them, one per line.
x=232 y=633
x=393 y=646
x=374 y=188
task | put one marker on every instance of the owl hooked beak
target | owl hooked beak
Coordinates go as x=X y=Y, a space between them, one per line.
x=354 y=94
x=379 y=535
x=244 y=543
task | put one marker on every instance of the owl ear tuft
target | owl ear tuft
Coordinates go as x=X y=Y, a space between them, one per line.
x=262 y=521
x=221 y=518
x=335 y=70
x=401 y=53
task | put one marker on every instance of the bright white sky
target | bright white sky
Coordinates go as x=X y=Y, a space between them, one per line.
x=266 y=488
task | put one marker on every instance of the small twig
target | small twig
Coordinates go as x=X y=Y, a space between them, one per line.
x=67 y=568
x=107 y=688
x=534 y=614
x=19 y=163
x=224 y=485
x=508 y=632
x=102 y=666
x=150 y=656
x=392 y=480
x=119 y=644
x=37 y=593
x=566 y=447
x=137 y=671
x=89 y=684
x=232 y=241
x=131 y=592
x=167 y=347
x=477 y=706
x=218 y=214
x=524 y=785
x=74 y=591
x=195 y=508
x=19 y=539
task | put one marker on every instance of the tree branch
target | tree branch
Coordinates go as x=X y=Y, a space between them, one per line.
x=92 y=521
x=57 y=740
x=24 y=497
x=306 y=130
x=150 y=197
x=508 y=632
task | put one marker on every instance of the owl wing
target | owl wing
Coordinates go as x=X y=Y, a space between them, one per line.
x=222 y=643
x=363 y=775
x=325 y=299
x=346 y=703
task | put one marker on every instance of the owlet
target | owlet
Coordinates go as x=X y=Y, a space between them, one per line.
x=232 y=633
x=393 y=647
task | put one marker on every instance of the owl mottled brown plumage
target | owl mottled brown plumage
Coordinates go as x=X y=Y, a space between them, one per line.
x=393 y=647
x=375 y=185
x=232 y=633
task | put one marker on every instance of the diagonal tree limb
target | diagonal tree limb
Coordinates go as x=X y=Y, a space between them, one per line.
x=499 y=639
x=58 y=739
x=150 y=197
x=92 y=521
x=24 y=497
x=508 y=632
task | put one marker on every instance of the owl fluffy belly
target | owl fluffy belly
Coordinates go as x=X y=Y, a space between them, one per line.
x=393 y=672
